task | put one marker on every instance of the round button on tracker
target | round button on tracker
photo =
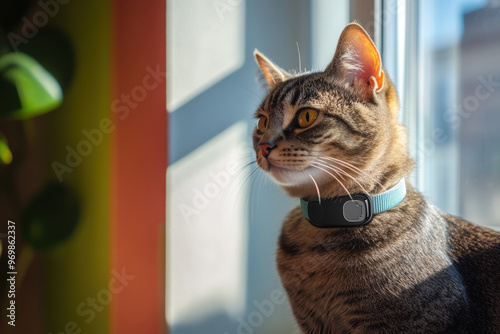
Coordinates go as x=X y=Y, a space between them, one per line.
x=354 y=211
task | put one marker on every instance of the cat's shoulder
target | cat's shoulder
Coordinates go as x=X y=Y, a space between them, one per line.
x=466 y=235
x=474 y=247
x=475 y=251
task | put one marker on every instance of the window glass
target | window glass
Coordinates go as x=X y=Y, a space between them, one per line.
x=459 y=107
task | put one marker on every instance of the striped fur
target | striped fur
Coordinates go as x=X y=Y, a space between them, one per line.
x=413 y=269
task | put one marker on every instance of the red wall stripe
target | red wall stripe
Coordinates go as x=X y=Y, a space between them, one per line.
x=138 y=164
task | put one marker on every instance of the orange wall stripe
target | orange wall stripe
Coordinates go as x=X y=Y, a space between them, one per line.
x=138 y=164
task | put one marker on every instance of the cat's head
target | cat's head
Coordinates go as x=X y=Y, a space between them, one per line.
x=334 y=131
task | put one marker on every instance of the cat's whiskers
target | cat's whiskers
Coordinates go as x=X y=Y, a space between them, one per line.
x=338 y=169
x=317 y=188
x=246 y=165
x=255 y=187
x=243 y=180
x=340 y=182
x=354 y=169
x=241 y=170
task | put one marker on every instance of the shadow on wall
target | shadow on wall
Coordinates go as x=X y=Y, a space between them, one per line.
x=227 y=102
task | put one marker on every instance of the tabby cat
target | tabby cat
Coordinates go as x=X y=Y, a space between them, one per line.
x=413 y=268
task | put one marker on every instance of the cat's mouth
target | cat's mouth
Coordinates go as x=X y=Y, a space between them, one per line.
x=288 y=176
x=286 y=173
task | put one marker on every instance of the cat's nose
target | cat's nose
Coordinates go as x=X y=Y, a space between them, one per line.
x=266 y=148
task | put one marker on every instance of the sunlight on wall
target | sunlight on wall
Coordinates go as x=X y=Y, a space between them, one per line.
x=329 y=19
x=205 y=43
x=207 y=228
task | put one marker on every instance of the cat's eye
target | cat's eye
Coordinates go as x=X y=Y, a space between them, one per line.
x=262 y=123
x=307 y=117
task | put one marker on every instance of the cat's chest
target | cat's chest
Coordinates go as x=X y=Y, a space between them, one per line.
x=336 y=281
x=338 y=287
x=328 y=291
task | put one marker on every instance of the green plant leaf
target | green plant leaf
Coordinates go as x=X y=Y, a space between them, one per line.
x=51 y=217
x=37 y=92
x=5 y=153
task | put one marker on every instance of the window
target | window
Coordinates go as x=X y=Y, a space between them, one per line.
x=444 y=59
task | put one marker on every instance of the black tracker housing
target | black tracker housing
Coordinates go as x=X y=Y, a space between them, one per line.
x=340 y=211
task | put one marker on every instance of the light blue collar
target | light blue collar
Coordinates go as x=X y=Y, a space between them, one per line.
x=355 y=210
x=390 y=198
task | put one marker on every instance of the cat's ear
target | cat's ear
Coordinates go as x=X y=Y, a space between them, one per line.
x=357 y=61
x=271 y=72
